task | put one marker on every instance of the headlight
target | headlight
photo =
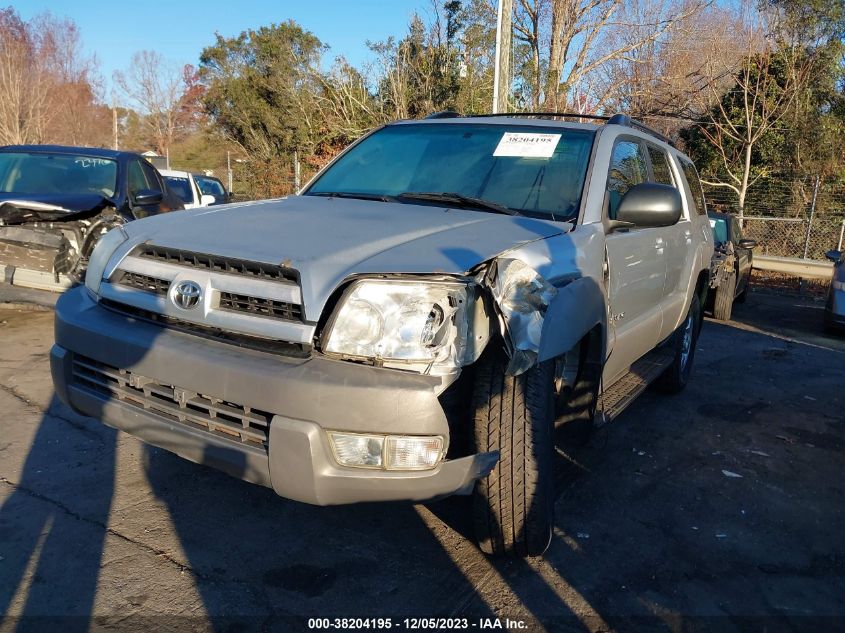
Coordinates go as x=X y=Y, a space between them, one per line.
x=386 y=452
x=410 y=324
x=105 y=248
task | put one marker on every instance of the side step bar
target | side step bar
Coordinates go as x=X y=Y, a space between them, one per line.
x=616 y=398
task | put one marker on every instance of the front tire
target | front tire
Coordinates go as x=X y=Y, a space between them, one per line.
x=513 y=507
x=724 y=300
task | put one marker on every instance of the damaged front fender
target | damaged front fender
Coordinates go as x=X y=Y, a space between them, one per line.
x=522 y=298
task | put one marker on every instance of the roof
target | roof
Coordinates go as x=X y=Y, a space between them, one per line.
x=96 y=152
x=174 y=173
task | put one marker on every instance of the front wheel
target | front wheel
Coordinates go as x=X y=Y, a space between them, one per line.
x=676 y=376
x=513 y=507
x=724 y=300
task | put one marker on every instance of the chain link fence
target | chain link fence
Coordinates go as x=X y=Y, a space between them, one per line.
x=797 y=217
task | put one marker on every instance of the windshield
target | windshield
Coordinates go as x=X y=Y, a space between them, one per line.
x=210 y=186
x=181 y=187
x=720 y=230
x=41 y=173
x=532 y=170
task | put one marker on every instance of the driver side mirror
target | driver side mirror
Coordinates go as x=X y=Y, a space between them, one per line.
x=207 y=200
x=834 y=255
x=148 y=196
x=647 y=205
x=746 y=243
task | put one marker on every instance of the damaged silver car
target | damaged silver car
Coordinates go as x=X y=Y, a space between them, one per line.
x=416 y=323
x=56 y=202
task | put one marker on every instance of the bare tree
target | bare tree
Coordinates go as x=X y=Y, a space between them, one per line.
x=25 y=82
x=588 y=34
x=760 y=92
x=157 y=89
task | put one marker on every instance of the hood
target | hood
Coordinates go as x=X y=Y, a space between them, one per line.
x=329 y=239
x=16 y=208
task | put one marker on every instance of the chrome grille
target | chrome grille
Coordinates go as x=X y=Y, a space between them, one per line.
x=260 y=306
x=144 y=282
x=216 y=263
x=227 y=420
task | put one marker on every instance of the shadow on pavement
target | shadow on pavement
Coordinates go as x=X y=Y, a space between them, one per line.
x=52 y=552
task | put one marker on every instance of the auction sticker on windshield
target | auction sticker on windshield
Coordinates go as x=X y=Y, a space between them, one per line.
x=527 y=145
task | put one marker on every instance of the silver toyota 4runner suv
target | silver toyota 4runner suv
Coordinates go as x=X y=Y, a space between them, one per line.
x=417 y=322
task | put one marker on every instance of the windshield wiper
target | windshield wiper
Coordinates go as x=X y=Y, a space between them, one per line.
x=359 y=196
x=459 y=199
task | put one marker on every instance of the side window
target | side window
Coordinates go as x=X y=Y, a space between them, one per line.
x=627 y=168
x=152 y=177
x=736 y=231
x=137 y=181
x=660 y=165
x=695 y=186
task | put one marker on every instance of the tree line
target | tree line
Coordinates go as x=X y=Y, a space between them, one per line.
x=751 y=89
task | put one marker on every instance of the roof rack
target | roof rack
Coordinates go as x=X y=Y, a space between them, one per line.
x=444 y=114
x=616 y=119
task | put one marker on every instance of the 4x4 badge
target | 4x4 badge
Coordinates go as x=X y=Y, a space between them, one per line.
x=187 y=294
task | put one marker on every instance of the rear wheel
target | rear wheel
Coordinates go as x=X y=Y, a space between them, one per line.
x=724 y=300
x=513 y=507
x=676 y=376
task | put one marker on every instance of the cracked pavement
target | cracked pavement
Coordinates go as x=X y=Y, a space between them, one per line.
x=106 y=532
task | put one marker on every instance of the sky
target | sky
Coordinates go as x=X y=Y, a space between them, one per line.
x=180 y=29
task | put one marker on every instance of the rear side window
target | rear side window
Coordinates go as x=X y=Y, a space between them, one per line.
x=660 y=165
x=691 y=175
x=627 y=168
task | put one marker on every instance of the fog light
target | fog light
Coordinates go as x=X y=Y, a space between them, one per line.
x=363 y=451
x=413 y=453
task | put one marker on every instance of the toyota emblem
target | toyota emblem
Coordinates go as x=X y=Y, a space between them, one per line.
x=187 y=294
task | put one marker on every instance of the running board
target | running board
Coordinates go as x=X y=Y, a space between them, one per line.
x=616 y=398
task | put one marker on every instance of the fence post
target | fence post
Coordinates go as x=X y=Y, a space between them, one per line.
x=812 y=213
x=841 y=233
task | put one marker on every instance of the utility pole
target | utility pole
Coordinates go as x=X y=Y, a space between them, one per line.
x=501 y=66
x=114 y=120
x=229 y=169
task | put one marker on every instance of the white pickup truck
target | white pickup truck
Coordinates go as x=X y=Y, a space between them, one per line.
x=414 y=324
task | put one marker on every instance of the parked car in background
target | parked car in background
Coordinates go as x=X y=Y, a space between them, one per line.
x=730 y=269
x=211 y=186
x=56 y=202
x=834 y=309
x=186 y=187
x=443 y=296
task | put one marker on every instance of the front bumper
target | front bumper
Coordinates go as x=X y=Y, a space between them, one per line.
x=305 y=397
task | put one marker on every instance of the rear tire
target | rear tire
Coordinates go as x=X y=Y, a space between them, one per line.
x=724 y=300
x=676 y=376
x=513 y=507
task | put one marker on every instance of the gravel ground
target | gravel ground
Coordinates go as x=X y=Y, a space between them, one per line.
x=717 y=509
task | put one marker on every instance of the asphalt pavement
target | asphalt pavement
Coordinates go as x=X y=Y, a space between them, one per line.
x=720 y=508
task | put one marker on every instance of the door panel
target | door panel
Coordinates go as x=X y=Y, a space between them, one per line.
x=636 y=275
x=636 y=267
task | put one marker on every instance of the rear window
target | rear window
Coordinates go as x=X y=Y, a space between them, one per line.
x=44 y=173
x=181 y=187
x=210 y=186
